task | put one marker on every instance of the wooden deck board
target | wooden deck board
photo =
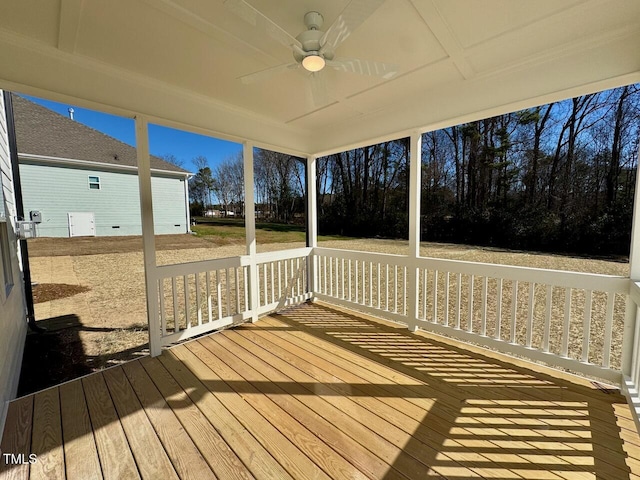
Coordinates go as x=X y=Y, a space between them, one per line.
x=273 y=440
x=461 y=392
x=46 y=441
x=320 y=393
x=376 y=433
x=80 y=451
x=370 y=401
x=17 y=439
x=151 y=458
x=254 y=456
x=395 y=405
x=319 y=452
x=184 y=455
x=220 y=457
x=113 y=449
x=422 y=441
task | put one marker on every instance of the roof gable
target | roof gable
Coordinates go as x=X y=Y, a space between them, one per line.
x=40 y=131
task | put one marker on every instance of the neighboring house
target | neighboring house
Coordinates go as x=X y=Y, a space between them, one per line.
x=12 y=299
x=85 y=183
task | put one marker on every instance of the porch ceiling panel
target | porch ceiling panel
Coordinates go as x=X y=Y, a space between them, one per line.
x=179 y=61
x=516 y=86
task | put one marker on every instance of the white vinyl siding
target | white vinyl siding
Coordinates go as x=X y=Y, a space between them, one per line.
x=6 y=280
x=13 y=323
x=57 y=190
x=6 y=180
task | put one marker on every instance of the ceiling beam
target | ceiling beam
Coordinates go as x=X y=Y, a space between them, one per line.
x=440 y=29
x=70 y=14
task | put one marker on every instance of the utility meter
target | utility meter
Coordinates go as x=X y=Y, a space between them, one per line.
x=36 y=216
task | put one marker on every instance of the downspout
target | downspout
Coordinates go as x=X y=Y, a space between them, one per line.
x=17 y=186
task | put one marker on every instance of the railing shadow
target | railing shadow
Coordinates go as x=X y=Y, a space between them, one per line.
x=58 y=354
x=462 y=414
x=493 y=418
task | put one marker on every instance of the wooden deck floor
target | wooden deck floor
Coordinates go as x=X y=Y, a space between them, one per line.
x=318 y=393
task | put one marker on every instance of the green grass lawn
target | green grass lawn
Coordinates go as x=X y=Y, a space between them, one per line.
x=229 y=231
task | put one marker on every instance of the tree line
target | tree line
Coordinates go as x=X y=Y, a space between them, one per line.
x=279 y=187
x=557 y=177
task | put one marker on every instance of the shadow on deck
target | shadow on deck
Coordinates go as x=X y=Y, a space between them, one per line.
x=318 y=393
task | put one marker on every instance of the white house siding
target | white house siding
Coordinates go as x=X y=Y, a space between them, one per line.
x=55 y=191
x=13 y=322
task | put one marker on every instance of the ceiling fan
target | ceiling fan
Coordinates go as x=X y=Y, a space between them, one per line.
x=315 y=49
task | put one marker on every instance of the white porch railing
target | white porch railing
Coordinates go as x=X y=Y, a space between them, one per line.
x=564 y=319
x=570 y=320
x=199 y=297
x=631 y=381
x=282 y=279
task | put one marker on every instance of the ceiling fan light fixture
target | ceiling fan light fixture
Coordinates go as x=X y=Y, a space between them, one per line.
x=313 y=62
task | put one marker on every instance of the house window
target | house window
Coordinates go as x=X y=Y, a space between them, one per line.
x=94 y=183
x=5 y=258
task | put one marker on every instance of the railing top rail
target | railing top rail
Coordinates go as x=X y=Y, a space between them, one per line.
x=282 y=254
x=167 y=271
x=189 y=268
x=361 y=254
x=559 y=278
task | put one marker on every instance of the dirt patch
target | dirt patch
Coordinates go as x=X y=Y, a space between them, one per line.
x=46 y=292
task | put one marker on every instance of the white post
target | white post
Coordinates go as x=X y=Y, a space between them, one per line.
x=312 y=222
x=630 y=320
x=415 y=173
x=148 y=235
x=250 y=227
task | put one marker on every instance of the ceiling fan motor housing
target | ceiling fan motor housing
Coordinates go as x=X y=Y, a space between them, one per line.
x=310 y=39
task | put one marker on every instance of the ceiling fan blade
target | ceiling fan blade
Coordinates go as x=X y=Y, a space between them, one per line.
x=266 y=73
x=256 y=18
x=351 y=18
x=364 y=67
x=319 y=92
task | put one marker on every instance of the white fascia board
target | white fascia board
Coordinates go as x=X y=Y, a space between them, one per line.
x=95 y=165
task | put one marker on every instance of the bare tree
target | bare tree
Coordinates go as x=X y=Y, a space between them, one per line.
x=228 y=184
x=172 y=159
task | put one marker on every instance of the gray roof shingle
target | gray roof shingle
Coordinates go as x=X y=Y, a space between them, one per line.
x=40 y=131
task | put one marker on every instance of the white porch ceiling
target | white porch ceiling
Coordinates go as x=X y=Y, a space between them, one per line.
x=178 y=61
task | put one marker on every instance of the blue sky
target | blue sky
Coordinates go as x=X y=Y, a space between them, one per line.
x=162 y=140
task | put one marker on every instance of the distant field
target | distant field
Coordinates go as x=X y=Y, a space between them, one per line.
x=227 y=231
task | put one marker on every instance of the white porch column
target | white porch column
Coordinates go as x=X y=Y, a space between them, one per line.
x=632 y=310
x=148 y=234
x=250 y=227
x=415 y=177
x=312 y=221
